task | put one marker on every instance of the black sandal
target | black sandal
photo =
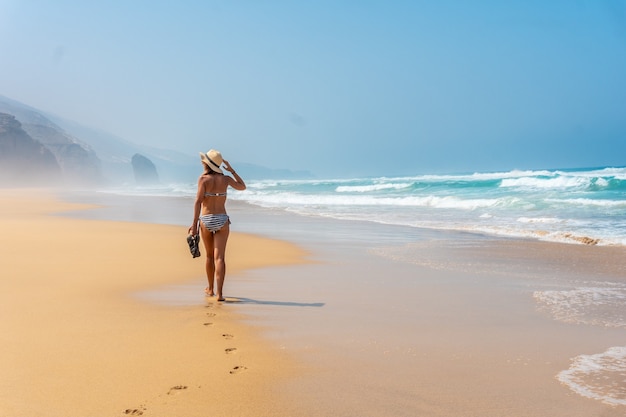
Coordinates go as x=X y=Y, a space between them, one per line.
x=192 y=241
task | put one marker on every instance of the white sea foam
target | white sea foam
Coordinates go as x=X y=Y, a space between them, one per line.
x=599 y=304
x=601 y=376
x=588 y=202
x=371 y=188
x=545 y=183
x=264 y=184
x=291 y=199
x=613 y=172
x=544 y=220
x=476 y=176
x=561 y=206
x=601 y=182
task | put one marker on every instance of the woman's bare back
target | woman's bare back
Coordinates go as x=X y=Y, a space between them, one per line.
x=215 y=187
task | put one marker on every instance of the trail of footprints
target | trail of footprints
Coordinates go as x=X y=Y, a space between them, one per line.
x=237 y=369
x=135 y=411
x=178 y=388
x=229 y=350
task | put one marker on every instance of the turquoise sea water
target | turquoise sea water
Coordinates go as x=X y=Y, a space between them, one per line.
x=553 y=205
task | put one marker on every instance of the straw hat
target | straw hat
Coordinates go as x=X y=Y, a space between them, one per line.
x=213 y=159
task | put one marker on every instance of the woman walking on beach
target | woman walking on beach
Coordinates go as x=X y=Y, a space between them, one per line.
x=210 y=212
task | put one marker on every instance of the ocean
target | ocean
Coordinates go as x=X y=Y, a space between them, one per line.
x=585 y=206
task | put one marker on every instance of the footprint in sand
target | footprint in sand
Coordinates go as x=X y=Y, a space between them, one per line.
x=230 y=350
x=238 y=369
x=176 y=389
x=133 y=412
x=227 y=336
x=210 y=314
x=208 y=324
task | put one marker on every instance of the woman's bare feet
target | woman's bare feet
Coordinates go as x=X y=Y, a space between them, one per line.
x=209 y=292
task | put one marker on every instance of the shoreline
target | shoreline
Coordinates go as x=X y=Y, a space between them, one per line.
x=77 y=342
x=421 y=323
x=435 y=338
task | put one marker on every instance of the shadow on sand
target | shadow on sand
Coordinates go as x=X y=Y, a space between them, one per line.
x=272 y=303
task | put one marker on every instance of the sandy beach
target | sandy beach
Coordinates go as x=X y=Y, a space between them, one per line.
x=425 y=200
x=76 y=341
x=104 y=318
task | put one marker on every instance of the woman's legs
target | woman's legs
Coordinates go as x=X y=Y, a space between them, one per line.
x=207 y=238
x=219 y=253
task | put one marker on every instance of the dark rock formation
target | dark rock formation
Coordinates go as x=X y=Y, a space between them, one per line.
x=23 y=160
x=583 y=239
x=87 y=156
x=144 y=169
x=78 y=163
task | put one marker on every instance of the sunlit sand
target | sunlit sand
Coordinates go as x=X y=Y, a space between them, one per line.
x=108 y=318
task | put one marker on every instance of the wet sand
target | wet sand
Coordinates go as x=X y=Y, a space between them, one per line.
x=381 y=320
x=393 y=321
x=453 y=329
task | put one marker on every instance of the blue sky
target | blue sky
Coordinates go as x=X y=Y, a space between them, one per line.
x=339 y=88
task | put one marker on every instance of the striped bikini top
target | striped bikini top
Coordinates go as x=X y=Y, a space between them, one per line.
x=215 y=194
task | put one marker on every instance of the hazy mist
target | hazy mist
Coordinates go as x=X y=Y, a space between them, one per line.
x=336 y=88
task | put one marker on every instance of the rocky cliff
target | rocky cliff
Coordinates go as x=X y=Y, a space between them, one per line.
x=86 y=156
x=79 y=164
x=23 y=160
x=92 y=156
x=144 y=169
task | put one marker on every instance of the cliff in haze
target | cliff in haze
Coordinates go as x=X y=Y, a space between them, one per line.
x=24 y=160
x=87 y=156
x=145 y=171
x=78 y=163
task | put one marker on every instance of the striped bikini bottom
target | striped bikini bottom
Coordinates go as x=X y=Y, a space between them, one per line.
x=214 y=222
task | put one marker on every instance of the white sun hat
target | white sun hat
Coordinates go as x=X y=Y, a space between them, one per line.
x=213 y=159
